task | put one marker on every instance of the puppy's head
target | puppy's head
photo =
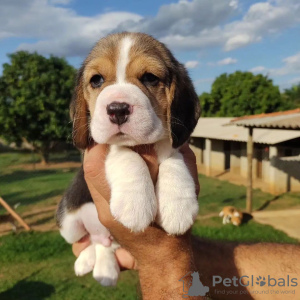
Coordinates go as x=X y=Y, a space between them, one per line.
x=131 y=91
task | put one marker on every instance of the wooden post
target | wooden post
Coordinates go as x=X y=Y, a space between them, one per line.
x=14 y=214
x=249 y=173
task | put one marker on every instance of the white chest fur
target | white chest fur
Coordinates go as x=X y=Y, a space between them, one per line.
x=135 y=202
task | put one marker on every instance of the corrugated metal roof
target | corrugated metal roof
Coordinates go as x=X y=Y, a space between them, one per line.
x=214 y=128
x=286 y=119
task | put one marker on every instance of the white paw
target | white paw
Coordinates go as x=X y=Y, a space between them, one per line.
x=178 y=216
x=135 y=213
x=86 y=261
x=177 y=200
x=133 y=201
x=107 y=272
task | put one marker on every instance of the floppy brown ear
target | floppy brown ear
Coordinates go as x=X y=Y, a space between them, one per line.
x=184 y=107
x=79 y=114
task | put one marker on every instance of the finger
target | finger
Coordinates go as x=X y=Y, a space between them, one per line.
x=125 y=260
x=81 y=245
x=94 y=169
x=94 y=160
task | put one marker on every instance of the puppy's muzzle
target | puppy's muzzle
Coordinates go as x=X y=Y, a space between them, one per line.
x=118 y=112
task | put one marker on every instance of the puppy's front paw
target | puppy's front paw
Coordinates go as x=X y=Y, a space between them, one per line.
x=85 y=262
x=106 y=270
x=136 y=212
x=177 y=200
x=178 y=216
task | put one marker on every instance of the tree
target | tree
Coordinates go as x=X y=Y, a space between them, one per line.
x=242 y=93
x=292 y=96
x=35 y=92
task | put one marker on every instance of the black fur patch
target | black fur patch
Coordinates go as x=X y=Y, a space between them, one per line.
x=185 y=109
x=75 y=196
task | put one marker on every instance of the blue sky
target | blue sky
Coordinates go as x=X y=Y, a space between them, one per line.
x=210 y=37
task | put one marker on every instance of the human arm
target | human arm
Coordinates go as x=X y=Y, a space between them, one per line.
x=160 y=259
x=232 y=259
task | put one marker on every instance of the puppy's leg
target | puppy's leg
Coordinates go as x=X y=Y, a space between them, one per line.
x=72 y=228
x=228 y=219
x=86 y=261
x=133 y=201
x=106 y=269
x=177 y=199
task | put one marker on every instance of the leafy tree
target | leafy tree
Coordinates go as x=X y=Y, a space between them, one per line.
x=35 y=92
x=210 y=106
x=292 y=95
x=242 y=93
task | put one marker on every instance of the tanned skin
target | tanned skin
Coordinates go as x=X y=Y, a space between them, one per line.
x=161 y=260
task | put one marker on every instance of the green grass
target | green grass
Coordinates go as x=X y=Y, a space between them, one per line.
x=215 y=194
x=33 y=187
x=39 y=265
x=8 y=159
x=213 y=228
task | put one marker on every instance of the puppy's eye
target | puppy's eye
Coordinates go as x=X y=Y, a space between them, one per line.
x=149 y=79
x=96 y=81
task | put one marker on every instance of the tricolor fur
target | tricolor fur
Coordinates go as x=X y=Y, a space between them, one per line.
x=131 y=91
x=232 y=215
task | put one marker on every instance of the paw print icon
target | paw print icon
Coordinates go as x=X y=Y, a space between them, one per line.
x=261 y=281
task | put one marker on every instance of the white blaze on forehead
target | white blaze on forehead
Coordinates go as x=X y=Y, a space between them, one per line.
x=123 y=60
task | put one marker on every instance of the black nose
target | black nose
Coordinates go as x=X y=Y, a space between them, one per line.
x=118 y=112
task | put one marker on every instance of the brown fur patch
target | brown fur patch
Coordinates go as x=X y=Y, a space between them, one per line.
x=173 y=98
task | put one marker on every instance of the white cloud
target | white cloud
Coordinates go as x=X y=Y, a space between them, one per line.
x=185 y=25
x=262 y=19
x=223 y=62
x=294 y=81
x=59 y=30
x=291 y=65
x=258 y=69
x=203 y=80
x=192 y=64
x=62 y=2
x=227 y=61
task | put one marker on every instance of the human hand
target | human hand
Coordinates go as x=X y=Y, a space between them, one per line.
x=137 y=247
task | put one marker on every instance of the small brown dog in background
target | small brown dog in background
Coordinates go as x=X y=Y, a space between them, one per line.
x=232 y=215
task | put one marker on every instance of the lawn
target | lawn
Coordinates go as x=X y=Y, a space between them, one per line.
x=21 y=182
x=215 y=194
x=39 y=265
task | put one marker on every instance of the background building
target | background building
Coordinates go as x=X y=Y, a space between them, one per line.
x=221 y=150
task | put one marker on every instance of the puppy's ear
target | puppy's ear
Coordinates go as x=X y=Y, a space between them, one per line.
x=184 y=107
x=79 y=114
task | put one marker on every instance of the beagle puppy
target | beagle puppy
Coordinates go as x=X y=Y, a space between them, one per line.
x=232 y=215
x=131 y=91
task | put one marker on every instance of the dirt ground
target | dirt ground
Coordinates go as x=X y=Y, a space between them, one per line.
x=62 y=165
x=287 y=220
x=42 y=219
x=39 y=219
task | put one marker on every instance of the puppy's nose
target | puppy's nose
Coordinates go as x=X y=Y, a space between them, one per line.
x=118 y=112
